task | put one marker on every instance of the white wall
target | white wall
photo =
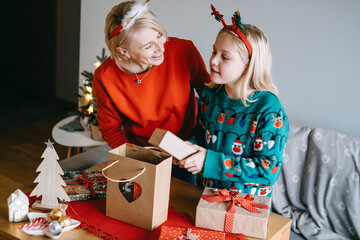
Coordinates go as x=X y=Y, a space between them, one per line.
x=315 y=48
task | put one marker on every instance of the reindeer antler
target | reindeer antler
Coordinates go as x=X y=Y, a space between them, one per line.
x=236 y=27
x=218 y=16
x=236 y=20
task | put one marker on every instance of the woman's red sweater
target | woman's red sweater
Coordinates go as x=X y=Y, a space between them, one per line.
x=129 y=111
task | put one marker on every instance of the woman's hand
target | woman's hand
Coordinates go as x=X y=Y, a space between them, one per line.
x=195 y=162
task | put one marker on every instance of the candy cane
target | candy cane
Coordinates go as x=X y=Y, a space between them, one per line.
x=37 y=223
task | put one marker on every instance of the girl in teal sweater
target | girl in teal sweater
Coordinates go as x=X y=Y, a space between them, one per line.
x=242 y=127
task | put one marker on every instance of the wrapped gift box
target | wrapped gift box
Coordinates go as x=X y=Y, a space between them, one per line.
x=211 y=215
x=171 y=233
x=84 y=185
x=171 y=144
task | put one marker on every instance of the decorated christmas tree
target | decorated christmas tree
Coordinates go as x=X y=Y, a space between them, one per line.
x=50 y=183
x=87 y=99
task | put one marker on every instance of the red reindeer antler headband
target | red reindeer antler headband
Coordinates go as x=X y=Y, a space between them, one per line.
x=237 y=25
x=136 y=11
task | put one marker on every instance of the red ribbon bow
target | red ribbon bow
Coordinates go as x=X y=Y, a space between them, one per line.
x=246 y=202
x=88 y=183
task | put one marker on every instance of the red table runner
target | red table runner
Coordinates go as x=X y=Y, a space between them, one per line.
x=91 y=214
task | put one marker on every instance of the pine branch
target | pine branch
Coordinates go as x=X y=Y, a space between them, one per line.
x=87 y=74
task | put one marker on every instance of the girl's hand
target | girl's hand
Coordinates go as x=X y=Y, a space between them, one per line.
x=194 y=163
x=175 y=161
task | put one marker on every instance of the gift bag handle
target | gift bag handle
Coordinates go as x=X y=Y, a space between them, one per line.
x=127 y=180
x=124 y=180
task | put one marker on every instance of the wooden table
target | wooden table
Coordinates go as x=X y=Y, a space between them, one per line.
x=184 y=197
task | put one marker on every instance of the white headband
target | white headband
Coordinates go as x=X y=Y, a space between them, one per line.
x=136 y=11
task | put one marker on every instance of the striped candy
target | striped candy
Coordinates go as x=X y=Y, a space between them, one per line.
x=37 y=223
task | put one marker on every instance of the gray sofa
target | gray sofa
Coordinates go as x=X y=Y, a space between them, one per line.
x=319 y=187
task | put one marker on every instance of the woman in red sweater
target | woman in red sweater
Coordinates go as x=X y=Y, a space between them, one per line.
x=149 y=79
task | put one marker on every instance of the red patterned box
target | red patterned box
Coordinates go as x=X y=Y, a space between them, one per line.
x=189 y=233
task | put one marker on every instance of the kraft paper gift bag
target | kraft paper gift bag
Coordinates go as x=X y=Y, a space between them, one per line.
x=138 y=186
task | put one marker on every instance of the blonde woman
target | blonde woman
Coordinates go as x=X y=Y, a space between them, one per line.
x=242 y=128
x=148 y=81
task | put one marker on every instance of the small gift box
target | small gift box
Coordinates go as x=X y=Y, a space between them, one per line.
x=233 y=212
x=171 y=144
x=84 y=185
x=189 y=233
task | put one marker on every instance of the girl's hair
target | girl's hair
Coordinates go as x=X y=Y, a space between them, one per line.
x=124 y=38
x=258 y=74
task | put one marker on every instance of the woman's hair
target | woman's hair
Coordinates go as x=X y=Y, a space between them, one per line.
x=123 y=39
x=258 y=74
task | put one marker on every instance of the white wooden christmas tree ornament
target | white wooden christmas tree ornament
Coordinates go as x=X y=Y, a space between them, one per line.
x=18 y=204
x=50 y=184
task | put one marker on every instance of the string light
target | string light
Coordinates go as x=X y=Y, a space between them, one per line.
x=271 y=142
x=88 y=106
x=232 y=119
x=91 y=109
x=89 y=89
x=242 y=120
x=88 y=97
x=97 y=64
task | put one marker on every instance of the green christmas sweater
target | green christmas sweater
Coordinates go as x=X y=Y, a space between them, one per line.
x=245 y=144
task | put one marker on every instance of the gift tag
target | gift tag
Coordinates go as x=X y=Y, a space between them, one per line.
x=130 y=190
